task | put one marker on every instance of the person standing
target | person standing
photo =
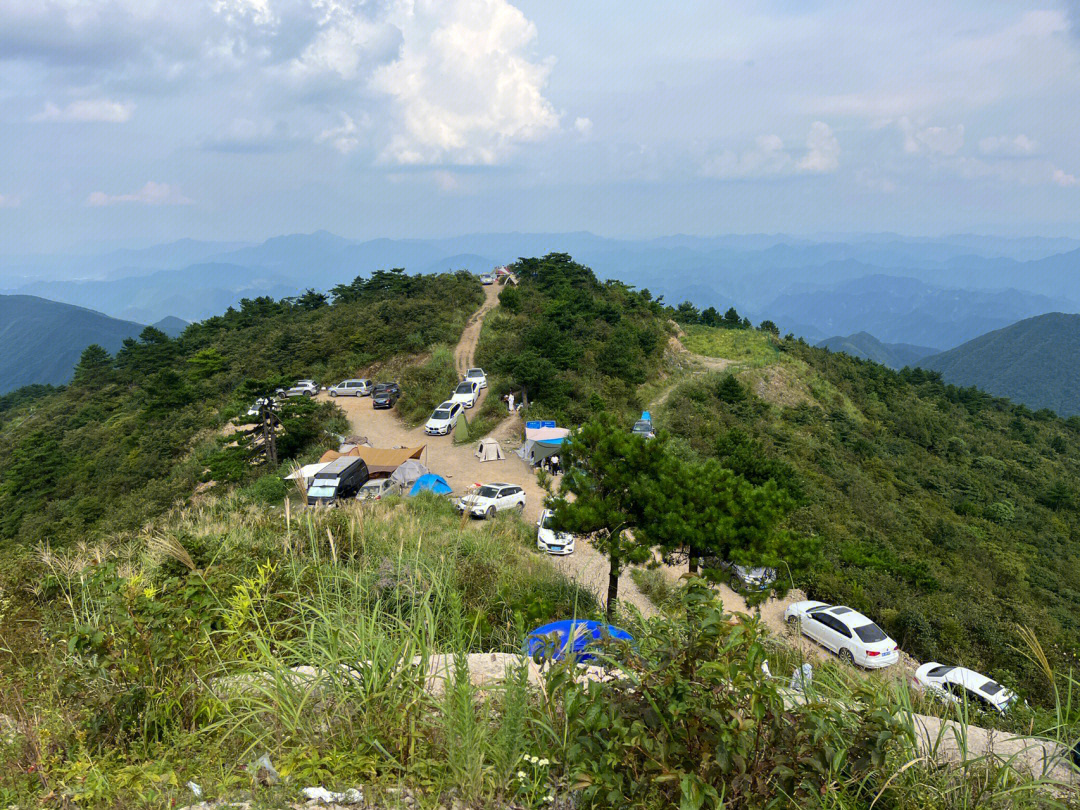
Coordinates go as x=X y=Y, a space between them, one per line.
x=510 y=401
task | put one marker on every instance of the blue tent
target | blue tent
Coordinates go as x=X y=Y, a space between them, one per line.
x=431 y=483
x=646 y=416
x=548 y=643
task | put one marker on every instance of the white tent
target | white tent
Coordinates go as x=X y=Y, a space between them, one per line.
x=489 y=450
x=408 y=472
x=307 y=472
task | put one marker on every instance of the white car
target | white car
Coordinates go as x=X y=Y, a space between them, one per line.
x=466 y=393
x=443 y=419
x=378 y=488
x=551 y=541
x=961 y=685
x=256 y=409
x=492 y=498
x=352 y=388
x=487 y=279
x=477 y=376
x=846 y=632
x=303 y=388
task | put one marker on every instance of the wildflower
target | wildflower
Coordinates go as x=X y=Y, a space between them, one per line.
x=521 y=775
x=549 y=799
x=149 y=592
x=543 y=763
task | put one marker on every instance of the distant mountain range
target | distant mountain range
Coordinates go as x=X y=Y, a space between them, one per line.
x=867 y=347
x=171 y=326
x=43 y=340
x=930 y=292
x=1035 y=361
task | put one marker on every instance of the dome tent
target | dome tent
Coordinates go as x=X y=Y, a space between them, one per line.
x=431 y=483
x=489 y=450
x=408 y=473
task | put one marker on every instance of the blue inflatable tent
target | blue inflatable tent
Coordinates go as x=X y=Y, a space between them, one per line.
x=431 y=483
x=549 y=643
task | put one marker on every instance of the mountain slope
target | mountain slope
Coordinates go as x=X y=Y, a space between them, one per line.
x=171 y=325
x=867 y=347
x=43 y=339
x=1035 y=361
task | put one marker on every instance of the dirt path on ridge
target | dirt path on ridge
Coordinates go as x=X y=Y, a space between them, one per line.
x=461 y=468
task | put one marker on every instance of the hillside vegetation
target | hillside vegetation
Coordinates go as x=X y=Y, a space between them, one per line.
x=42 y=339
x=1034 y=362
x=135 y=432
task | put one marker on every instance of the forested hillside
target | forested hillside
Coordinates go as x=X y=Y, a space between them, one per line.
x=1035 y=361
x=136 y=431
x=42 y=339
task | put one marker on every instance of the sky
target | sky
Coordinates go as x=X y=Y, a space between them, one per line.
x=134 y=121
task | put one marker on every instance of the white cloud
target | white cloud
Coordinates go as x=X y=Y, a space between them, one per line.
x=940 y=140
x=9 y=201
x=1006 y=145
x=875 y=181
x=150 y=194
x=463 y=89
x=822 y=150
x=87 y=110
x=345 y=138
x=583 y=126
x=1061 y=178
x=769 y=157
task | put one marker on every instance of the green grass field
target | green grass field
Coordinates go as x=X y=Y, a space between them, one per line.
x=747 y=347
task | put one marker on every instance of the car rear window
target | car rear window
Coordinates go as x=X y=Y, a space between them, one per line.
x=937 y=672
x=991 y=688
x=464 y=388
x=870 y=633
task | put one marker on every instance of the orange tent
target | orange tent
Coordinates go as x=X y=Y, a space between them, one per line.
x=380 y=461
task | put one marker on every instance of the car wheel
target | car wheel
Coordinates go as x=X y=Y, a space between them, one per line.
x=308 y=394
x=736 y=585
x=792 y=620
x=490 y=513
x=333 y=393
x=521 y=506
x=847 y=657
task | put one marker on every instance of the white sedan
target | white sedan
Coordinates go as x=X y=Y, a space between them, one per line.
x=846 y=632
x=492 y=498
x=477 y=376
x=443 y=419
x=962 y=686
x=466 y=393
x=551 y=541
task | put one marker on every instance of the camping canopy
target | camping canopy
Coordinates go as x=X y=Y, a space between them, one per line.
x=534 y=452
x=408 y=473
x=379 y=460
x=489 y=450
x=307 y=472
x=550 y=642
x=431 y=483
x=545 y=432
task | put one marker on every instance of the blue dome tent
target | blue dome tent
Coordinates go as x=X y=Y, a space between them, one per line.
x=549 y=642
x=431 y=483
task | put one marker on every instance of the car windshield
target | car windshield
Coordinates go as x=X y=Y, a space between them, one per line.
x=440 y=415
x=870 y=633
x=475 y=372
x=464 y=388
x=322 y=491
x=547 y=522
x=381 y=389
x=487 y=492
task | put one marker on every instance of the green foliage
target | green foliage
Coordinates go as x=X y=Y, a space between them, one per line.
x=570 y=342
x=133 y=434
x=425 y=386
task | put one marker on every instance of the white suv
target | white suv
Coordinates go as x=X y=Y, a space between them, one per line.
x=551 y=541
x=443 y=419
x=477 y=376
x=492 y=498
x=846 y=632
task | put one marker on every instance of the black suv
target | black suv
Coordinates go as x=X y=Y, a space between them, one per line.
x=385 y=395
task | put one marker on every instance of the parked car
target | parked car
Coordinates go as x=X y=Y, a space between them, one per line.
x=749 y=578
x=341 y=478
x=551 y=541
x=965 y=686
x=351 y=388
x=302 y=388
x=256 y=409
x=466 y=393
x=443 y=419
x=846 y=632
x=643 y=428
x=477 y=376
x=378 y=488
x=487 y=279
x=492 y=498
x=385 y=395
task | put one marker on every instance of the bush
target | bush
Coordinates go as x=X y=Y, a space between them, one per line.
x=271 y=489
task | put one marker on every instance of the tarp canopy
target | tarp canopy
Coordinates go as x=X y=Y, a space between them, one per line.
x=545 y=433
x=431 y=483
x=408 y=473
x=552 y=642
x=461 y=428
x=307 y=472
x=489 y=450
x=534 y=452
x=380 y=460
